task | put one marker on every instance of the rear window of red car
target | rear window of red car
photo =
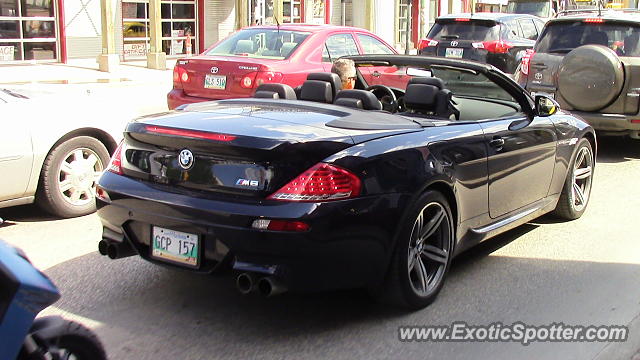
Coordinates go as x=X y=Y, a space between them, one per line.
x=260 y=43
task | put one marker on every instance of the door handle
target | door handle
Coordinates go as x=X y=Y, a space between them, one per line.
x=376 y=74
x=497 y=142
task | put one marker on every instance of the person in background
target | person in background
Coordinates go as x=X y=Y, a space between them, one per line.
x=346 y=70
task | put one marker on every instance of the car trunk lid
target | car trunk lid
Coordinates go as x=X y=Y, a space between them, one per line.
x=241 y=148
x=223 y=77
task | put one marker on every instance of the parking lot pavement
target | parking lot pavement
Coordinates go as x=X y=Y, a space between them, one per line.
x=581 y=272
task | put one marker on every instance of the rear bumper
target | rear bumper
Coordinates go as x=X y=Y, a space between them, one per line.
x=177 y=97
x=348 y=245
x=611 y=123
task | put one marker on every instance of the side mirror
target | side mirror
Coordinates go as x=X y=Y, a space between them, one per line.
x=546 y=106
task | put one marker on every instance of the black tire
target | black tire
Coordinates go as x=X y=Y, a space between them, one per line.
x=569 y=205
x=401 y=286
x=72 y=338
x=49 y=195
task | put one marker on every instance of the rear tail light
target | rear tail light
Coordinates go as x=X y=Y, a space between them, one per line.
x=255 y=79
x=526 y=61
x=180 y=76
x=593 y=20
x=496 y=47
x=189 y=133
x=280 y=225
x=322 y=182
x=463 y=19
x=635 y=121
x=115 y=164
x=424 y=43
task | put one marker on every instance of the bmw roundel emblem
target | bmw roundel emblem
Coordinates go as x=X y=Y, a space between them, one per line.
x=185 y=159
x=214 y=70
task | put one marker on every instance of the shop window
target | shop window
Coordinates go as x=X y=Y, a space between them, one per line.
x=403 y=20
x=319 y=8
x=291 y=11
x=178 y=22
x=27 y=30
x=40 y=8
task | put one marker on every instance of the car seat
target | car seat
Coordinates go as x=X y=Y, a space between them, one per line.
x=244 y=47
x=444 y=105
x=316 y=90
x=358 y=99
x=275 y=91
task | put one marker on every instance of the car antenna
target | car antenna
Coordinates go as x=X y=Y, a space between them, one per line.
x=277 y=23
x=600 y=8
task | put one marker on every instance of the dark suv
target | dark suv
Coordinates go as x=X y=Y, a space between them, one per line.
x=493 y=38
x=590 y=63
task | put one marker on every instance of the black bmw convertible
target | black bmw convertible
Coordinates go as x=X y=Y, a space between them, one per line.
x=376 y=187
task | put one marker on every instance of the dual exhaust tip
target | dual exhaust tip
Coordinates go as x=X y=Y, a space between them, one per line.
x=267 y=286
x=115 y=250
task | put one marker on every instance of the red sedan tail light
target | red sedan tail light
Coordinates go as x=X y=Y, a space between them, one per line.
x=322 y=182
x=255 y=79
x=180 y=76
x=115 y=164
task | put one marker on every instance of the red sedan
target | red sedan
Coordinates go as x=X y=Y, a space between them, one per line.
x=235 y=66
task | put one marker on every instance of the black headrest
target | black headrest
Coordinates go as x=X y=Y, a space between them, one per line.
x=284 y=91
x=369 y=101
x=437 y=82
x=331 y=78
x=420 y=96
x=266 y=95
x=315 y=90
x=349 y=102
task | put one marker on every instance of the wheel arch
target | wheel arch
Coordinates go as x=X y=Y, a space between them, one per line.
x=589 y=135
x=101 y=135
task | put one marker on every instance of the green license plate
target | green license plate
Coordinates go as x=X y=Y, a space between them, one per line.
x=218 y=82
x=175 y=246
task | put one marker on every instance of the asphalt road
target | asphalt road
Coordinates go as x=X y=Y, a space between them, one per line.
x=581 y=273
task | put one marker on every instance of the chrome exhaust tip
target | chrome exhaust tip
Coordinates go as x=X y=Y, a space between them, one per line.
x=246 y=283
x=270 y=286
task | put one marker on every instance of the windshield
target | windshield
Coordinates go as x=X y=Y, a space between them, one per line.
x=562 y=37
x=464 y=30
x=537 y=8
x=260 y=43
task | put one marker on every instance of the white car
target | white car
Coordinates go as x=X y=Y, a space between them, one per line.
x=54 y=148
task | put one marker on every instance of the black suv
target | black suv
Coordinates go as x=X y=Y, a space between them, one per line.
x=492 y=38
x=590 y=63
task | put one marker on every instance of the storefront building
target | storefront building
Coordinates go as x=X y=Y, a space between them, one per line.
x=57 y=30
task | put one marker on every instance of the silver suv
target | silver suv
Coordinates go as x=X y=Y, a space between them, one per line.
x=590 y=63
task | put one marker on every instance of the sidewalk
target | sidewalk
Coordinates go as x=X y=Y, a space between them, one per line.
x=132 y=85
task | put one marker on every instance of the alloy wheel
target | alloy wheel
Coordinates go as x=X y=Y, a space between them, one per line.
x=581 y=179
x=79 y=172
x=429 y=248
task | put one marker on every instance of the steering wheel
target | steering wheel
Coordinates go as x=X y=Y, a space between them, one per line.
x=386 y=96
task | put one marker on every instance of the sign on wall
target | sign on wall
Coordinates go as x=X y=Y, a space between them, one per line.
x=177 y=45
x=137 y=49
x=7 y=53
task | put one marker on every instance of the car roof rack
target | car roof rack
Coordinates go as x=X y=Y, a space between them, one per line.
x=596 y=10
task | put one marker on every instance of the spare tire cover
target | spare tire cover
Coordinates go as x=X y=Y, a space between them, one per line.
x=590 y=77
